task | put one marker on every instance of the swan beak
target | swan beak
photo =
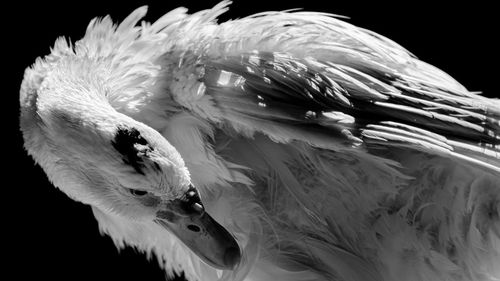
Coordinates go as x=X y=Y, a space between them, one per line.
x=186 y=218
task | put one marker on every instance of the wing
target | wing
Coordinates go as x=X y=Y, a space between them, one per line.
x=313 y=78
x=309 y=78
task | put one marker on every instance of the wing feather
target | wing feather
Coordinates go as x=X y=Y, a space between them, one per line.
x=279 y=89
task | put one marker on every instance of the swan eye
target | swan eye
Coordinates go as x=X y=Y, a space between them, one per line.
x=137 y=192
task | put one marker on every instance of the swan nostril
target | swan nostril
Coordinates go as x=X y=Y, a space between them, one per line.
x=193 y=228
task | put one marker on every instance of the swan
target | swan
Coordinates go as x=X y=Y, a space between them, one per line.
x=281 y=146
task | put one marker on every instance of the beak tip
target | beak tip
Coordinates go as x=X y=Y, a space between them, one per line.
x=232 y=257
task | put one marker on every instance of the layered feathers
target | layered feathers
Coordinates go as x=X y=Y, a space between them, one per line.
x=329 y=151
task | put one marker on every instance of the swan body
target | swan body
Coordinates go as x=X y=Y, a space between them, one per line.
x=281 y=146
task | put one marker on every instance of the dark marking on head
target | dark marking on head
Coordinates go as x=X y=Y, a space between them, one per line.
x=126 y=142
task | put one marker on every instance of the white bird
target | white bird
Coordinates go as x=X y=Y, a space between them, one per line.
x=320 y=150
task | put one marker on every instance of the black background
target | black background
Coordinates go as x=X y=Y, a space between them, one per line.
x=50 y=237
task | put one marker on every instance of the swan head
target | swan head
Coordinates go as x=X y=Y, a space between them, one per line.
x=101 y=157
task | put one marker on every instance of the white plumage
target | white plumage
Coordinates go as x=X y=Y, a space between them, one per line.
x=327 y=151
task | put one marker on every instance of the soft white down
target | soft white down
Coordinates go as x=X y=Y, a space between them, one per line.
x=283 y=146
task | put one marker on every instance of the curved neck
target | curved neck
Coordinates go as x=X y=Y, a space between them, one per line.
x=78 y=101
x=68 y=111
